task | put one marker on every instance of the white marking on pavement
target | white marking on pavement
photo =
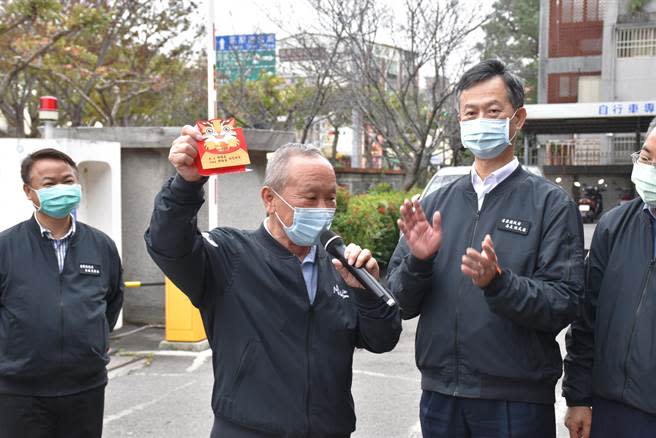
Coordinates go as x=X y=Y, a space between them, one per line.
x=415 y=431
x=142 y=406
x=200 y=360
x=143 y=374
x=126 y=369
x=166 y=353
x=386 y=376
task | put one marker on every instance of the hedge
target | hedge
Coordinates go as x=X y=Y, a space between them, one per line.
x=370 y=219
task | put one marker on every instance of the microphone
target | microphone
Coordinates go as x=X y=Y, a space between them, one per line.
x=334 y=246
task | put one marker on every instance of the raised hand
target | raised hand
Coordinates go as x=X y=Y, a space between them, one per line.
x=183 y=153
x=423 y=238
x=483 y=266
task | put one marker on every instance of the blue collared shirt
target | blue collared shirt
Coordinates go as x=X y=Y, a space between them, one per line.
x=652 y=215
x=61 y=244
x=309 y=268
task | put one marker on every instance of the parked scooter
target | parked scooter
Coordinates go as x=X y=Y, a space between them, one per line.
x=590 y=201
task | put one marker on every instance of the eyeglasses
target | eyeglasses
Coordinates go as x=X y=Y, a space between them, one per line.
x=637 y=158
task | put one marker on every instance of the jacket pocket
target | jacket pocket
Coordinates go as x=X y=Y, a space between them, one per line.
x=97 y=336
x=6 y=322
x=245 y=364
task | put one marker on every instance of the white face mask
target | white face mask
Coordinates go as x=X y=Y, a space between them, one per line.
x=308 y=223
x=486 y=138
x=644 y=178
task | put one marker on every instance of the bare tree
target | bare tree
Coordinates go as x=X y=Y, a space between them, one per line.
x=385 y=79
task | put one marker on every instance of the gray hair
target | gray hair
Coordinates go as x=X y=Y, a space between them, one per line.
x=275 y=175
x=652 y=125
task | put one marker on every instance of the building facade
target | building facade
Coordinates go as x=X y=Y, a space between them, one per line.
x=601 y=51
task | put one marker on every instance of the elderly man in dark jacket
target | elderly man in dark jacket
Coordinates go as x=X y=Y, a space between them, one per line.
x=282 y=317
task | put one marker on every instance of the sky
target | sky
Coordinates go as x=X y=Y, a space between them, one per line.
x=285 y=17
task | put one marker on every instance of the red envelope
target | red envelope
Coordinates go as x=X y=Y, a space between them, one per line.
x=223 y=148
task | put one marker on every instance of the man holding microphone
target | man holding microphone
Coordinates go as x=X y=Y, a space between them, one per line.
x=282 y=317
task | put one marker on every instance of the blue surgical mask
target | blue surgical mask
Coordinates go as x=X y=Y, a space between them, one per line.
x=486 y=138
x=644 y=178
x=58 y=201
x=308 y=223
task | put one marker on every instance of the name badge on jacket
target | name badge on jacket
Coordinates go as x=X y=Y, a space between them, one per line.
x=516 y=226
x=90 y=269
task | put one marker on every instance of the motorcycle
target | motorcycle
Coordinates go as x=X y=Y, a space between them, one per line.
x=590 y=201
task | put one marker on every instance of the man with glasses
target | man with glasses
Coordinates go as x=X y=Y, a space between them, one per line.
x=610 y=368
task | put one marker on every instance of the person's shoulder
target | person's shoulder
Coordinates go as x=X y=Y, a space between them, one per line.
x=94 y=233
x=548 y=189
x=457 y=186
x=617 y=215
x=14 y=230
x=232 y=239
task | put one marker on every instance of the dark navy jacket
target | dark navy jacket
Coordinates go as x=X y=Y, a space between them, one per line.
x=281 y=364
x=611 y=349
x=497 y=343
x=54 y=327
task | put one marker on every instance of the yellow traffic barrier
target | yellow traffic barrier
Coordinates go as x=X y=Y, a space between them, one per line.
x=183 y=322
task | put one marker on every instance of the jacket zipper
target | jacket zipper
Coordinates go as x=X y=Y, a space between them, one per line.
x=457 y=349
x=635 y=321
x=308 y=345
x=61 y=325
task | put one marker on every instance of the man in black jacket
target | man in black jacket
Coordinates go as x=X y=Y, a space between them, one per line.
x=493 y=278
x=60 y=294
x=281 y=321
x=611 y=349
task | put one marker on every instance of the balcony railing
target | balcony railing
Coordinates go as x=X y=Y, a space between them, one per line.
x=571 y=154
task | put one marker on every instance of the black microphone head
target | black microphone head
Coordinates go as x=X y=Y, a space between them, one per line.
x=330 y=239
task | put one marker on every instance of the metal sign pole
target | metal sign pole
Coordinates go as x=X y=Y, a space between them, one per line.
x=211 y=109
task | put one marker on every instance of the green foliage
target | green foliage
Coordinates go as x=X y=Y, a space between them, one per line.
x=370 y=221
x=258 y=103
x=118 y=63
x=343 y=198
x=637 y=5
x=381 y=188
x=512 y=35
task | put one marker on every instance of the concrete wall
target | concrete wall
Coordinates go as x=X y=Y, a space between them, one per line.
x=632 y=71
x=145 y=167
x=361 y=180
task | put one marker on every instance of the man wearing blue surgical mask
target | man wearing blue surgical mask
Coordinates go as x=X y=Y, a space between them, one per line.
x=282 y=317
x=610 y=368
x=494 y=276
x=61 y=291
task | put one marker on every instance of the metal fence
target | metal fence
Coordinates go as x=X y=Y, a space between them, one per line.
x=588 y=152
x=636 y=41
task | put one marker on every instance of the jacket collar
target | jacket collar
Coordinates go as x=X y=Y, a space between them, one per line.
x=34 y=228
x=265 y=239
x=513 y=179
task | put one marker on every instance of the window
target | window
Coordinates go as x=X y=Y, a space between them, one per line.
x=636 y=41
x=575 y=27
x=564 y=87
